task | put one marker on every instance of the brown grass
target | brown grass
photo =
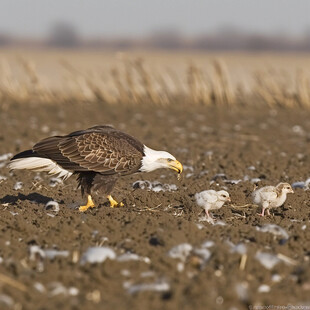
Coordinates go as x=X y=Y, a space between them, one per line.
x=133 y=80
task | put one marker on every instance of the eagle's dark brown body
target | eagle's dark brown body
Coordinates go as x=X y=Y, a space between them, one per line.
x=98 y=156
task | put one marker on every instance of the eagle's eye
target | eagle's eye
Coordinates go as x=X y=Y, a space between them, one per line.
x=169 y=159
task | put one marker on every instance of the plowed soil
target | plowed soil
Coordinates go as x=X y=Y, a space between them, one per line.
x=220 y=148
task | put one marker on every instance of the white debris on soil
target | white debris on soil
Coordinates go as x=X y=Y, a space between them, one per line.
x=6 y=300
x=242 y=290
x=211 y=221
x=39 y=287
x=239 y=248
x=189 y=170
x=55 y=181
x=188 y=167
x=181 y=251
x=52 y=253
x=204 y=254
x=132 y=257
x=147 y=274
x=95 y=255
x=264 y=288
x=302 y=184
x=2 y=178
x=207 y=244
x=160 y=286
x=36 y=252
x=18 y=186
x=52 y=206
x=267 y=260
x=233 y=181
x=5 y=157
x=125 y=273
x=154 y=186
x=252 y=180
x=200 y=226
x=276 y=278
x=57 y=288
x=274 y=229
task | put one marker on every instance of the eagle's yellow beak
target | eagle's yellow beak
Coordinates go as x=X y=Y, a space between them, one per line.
x=176 y=165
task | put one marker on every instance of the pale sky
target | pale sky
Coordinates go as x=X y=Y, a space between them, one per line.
x=139 y=17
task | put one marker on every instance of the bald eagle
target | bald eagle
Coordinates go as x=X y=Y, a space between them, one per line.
x=98 y=156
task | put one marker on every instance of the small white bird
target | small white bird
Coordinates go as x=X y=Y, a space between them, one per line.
x=211 y=200
x=271 y=196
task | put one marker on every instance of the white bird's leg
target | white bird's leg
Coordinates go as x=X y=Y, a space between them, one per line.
x=263 y=212
x=268 y=212
x=210 y=218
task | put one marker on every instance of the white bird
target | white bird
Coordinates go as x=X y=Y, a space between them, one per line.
x=211 y=200
x=271 y=196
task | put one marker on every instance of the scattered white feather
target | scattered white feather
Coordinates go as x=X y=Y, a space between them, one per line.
x=39 y=287
x=203 y=253
x=38 y=252
x=147 y=287
x=57 y=288
x=264 y=288
x=95 y=255
x=132 y=257
x=154 y=186
x=52 y=253
x=274 y=229
x=276 y=278
x=52 y=205
x=181 y=251
x=242 y=290
x=17 y=186
x=6 y=156
x=147 y=274
x=208 y=244
x=6 y=300
x=302 y=184
x=267 y=260
x=55 y=181
x=239 y=248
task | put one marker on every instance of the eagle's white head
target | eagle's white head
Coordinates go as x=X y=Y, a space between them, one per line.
x=153 y=160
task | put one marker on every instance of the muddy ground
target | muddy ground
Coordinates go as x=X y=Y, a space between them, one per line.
x=220 y=266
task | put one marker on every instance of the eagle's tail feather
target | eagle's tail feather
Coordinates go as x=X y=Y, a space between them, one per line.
x=33 y=161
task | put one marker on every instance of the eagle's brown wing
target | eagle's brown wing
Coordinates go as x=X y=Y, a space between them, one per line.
x=104 y=151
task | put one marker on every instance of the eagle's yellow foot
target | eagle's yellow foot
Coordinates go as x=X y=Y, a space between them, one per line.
x=90 y=204
x=114 y=203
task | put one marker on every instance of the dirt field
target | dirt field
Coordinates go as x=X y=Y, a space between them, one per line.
x=221 y=266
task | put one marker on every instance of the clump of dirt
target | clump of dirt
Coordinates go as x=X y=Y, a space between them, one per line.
x=235 y=263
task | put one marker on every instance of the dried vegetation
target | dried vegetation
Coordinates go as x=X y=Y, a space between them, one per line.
x=133 y=81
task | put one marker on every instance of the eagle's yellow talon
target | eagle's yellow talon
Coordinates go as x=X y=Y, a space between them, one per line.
x=114 y=203
x=90 y=204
